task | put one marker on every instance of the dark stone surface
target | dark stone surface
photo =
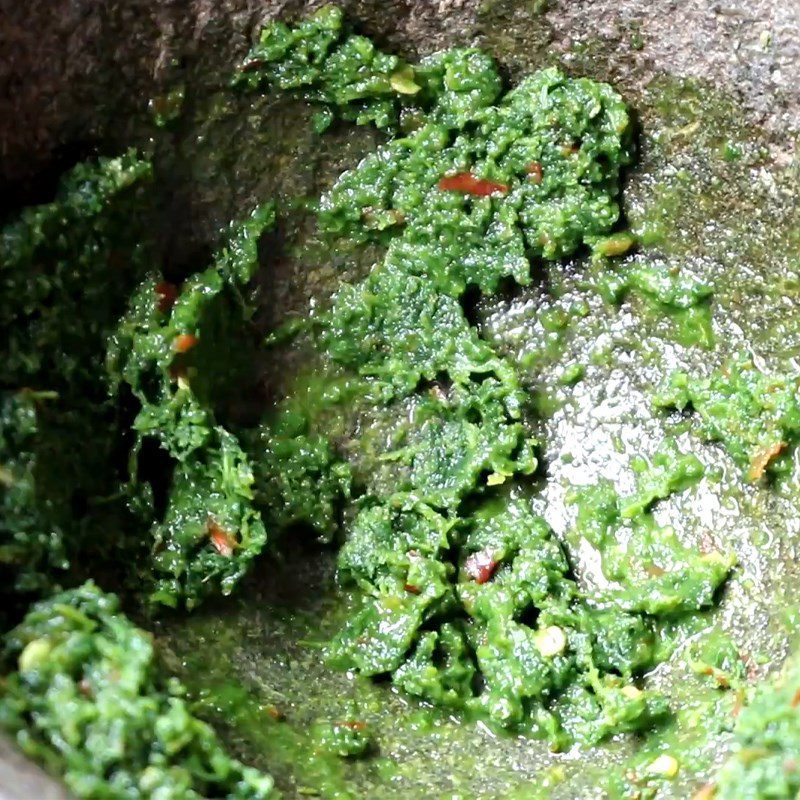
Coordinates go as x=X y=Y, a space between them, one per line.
x=71 y=69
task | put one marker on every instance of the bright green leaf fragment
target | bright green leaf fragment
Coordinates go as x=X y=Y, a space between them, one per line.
x=301 y=480
x=377 y=638
x=385 y=541
x=666 y=472
x=85 y=696
x=670 y=286
x=668 y=292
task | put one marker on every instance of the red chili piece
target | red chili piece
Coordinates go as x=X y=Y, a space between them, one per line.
x=354 y=725
x=223 y=542
x=167 y=295
x=481 y=566
x=253 y=63
x=467 y=183
x=184 y=342
x=409 y=587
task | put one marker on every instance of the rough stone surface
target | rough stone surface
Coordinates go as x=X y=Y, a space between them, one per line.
x=72 y=68
x=22 y=780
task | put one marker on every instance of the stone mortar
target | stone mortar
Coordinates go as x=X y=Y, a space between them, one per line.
x=77 y=75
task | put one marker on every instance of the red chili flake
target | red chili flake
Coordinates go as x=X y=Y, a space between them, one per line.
x=467 y=183
x=167 y=295
x=184 y=342
x=534 y=169
x=763 y=458
x=409 y=587
x=706 y=544
x=275 y=713
x=353 y=724
x=795 y=699
x=750 y=666
x=223 y=541
x=481 y=566
x=718 y=675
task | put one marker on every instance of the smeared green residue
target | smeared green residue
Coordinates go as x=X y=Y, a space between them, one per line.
x=767 y=742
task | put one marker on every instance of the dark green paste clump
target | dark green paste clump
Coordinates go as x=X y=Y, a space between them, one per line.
x=321 y=61
x=32 y=538
x=532 y=172
x=318 y=60
x=87 y=699
x=66 y=271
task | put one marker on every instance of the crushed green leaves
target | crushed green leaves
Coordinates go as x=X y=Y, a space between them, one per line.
x=88 y=699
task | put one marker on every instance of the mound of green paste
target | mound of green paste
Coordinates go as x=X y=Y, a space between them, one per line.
x=469 y=601
x=87 y=699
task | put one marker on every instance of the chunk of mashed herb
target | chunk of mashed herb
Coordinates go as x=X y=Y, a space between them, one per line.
x=534 y=174
x=86 y=698
x=322 y=63
x=754 y=414
x=646 y=566
x=165 y=350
